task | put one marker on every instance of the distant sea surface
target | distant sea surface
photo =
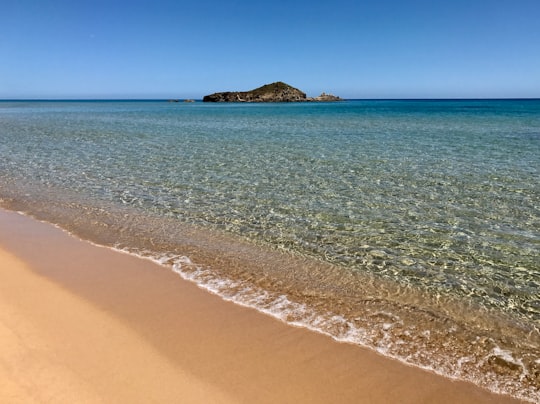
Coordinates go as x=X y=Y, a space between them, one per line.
x=410 y=226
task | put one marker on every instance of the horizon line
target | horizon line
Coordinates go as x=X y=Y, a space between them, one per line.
x=344 y=99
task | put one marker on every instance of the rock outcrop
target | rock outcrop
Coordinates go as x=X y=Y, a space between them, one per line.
x=275 y=92
x=326 y=98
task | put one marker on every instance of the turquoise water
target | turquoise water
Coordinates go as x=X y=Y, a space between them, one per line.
x=411 y=227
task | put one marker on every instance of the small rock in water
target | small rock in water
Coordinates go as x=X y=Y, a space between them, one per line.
x=378 y=253
x=408 y=261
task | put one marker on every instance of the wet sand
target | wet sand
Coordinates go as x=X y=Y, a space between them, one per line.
x=81 y=323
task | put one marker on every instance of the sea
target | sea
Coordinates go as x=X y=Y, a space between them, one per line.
x=411 y=227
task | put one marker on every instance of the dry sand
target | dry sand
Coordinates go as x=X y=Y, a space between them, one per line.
x=80 y=323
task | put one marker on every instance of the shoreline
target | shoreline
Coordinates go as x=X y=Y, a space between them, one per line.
x=163 y=338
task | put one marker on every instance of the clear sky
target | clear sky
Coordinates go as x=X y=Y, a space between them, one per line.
x=186 y=49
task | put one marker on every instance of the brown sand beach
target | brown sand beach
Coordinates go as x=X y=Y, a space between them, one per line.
x=81 y=323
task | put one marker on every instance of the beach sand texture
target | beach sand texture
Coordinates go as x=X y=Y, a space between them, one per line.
x=81 y=323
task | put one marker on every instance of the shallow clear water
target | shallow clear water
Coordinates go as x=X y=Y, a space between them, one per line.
x=411 y=227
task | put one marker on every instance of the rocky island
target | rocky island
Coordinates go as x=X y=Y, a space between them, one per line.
x=274 y=92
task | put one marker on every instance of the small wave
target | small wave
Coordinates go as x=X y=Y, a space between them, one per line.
x=411 y=346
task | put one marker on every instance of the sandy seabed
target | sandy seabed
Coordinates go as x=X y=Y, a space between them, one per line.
x=86 y=324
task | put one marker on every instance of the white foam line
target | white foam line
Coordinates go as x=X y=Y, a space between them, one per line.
x=508 y=357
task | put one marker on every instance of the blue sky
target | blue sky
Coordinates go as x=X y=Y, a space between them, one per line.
x=186 y=49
